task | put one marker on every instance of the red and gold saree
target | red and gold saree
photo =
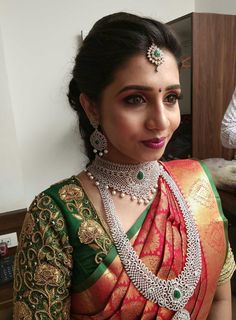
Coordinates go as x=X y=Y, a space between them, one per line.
x=97 y=285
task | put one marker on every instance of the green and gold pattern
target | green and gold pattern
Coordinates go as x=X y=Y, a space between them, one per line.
x=60 y=218
x=91 y=231
x=43 y=264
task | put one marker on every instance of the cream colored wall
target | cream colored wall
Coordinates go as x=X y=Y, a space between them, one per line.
x=11 y=179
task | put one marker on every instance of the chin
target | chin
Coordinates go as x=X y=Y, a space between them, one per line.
x=151 y=158
x=155 y=156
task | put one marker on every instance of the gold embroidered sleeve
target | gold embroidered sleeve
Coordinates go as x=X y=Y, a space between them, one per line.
x=43 y=264
x=228 y=268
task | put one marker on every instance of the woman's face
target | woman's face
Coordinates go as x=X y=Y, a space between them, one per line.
x=139 y=110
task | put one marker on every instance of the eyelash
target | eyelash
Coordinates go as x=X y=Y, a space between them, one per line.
x=131 y=99
x=175 y=95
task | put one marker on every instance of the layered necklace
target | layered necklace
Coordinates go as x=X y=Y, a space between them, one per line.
x=139 y=182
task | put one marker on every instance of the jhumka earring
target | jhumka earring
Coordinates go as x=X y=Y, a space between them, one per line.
x=155 y=55
x=98 y=141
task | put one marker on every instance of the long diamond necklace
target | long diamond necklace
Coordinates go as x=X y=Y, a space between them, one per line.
x=173 y=293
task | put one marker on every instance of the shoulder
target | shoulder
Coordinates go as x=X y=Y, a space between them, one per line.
x=56 y=209
x=180 y=163
x=195 y=180
x=184 y=166
x=58 y=195
x=66 y=189
x=192 y=175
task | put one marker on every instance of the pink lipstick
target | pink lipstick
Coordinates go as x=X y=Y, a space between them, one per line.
x=156 y=143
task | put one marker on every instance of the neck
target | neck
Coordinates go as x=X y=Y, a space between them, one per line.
x=138 y=181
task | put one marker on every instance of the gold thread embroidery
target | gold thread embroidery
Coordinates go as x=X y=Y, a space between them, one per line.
x=22 y=311
x=66 y=309
x=71 y=192
x=91 y=230
x=199 y=192
x=47 y=274
x=28 y=226
x=43 y=264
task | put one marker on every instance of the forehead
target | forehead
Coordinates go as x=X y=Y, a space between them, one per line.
x=139 y=70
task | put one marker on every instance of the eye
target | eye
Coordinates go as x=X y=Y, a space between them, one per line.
x=172 y=98
x=135 y=99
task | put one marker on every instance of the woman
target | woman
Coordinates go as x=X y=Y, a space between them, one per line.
x=130 y=237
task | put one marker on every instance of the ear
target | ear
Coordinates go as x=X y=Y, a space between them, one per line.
x=89 y=108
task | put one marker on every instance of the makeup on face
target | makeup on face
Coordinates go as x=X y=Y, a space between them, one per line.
x=156 y=143
x=140 y=111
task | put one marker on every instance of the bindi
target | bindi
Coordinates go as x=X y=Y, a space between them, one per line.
x=160 y=90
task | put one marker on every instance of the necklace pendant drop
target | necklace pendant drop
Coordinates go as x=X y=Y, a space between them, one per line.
x=182 y=314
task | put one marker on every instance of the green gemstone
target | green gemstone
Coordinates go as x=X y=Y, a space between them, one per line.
x=157 y=53
x=140 y=175
x=177 y=293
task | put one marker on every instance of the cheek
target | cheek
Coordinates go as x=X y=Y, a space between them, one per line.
x=120 y=125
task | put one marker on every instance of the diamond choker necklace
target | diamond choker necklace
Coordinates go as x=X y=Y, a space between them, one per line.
x=172 y=293
x=139 y=181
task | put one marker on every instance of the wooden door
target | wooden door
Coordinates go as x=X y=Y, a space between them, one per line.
x=213 y=80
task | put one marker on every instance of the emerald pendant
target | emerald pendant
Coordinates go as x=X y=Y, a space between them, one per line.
x=157 y=53
x=140 y=175
x=177 y=294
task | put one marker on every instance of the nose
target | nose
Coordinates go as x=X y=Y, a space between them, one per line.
x=157 y=118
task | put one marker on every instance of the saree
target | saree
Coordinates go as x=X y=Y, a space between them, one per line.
x=76 y=272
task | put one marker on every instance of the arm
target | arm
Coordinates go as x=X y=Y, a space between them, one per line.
x=43 y=264
x=228 y=126
x=221 y=306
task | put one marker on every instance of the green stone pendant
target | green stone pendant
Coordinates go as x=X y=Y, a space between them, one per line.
x=157 y=53
x=177 y=294
x=140 y=175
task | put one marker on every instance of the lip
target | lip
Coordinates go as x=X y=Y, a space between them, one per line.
x=155 y=143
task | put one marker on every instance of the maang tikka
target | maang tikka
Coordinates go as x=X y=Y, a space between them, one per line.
x=155 y=55
x=98 y=141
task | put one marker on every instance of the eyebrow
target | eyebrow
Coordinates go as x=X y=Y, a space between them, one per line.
x=135 y=87
x=147 y=88
x=175 y=86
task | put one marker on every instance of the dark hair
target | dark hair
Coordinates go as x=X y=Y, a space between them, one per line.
x=111 y=42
